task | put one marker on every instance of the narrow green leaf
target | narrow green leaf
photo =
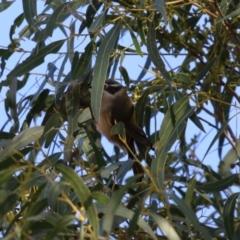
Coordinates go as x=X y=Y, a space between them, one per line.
x=159 y=5
x=219 y=133
x=154 y=53
x=35 y=60
x=125 y=75
x=97 y=23
x=22 y=140
x=71 y=41
x=5 y=5
x=190 y=190
x=205 y=70
x=113 y=205
x=50 y=160
x=182 y=78
x=106 y=172
x=14 y=158
x=189 y=197
x=133 y=222
x=134 y=39
x=5 y=175
x=141 y=31
x=34 y=209
x=172 y=125
x=8 y=204
x=118 y=128
x=228 y=216
x=136 y=43
x=52 y=127
x=100 y=197
x=165 y=226
x=127 y=214
x=51 y=23
x=194 y=118
x=124 y=168
x=140 y=107
x=83 y=194
x=231 y=15
x=80 y=65
x=145 y=68
x=185 y=209
x=11 y=98
x=30 y=11
x=101 y=67
x=84 y=115
x=60 y=226
x=219 y=185
x=72 y=106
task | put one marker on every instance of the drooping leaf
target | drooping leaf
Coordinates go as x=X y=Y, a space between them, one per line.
x=80 y=65
x=172 y=125
x=33 y=61
x=83 y=194
x=125 y=75
x=30 y=11
x=219 y=133
x=27 y=136
x=4 y=5
x=219 y=185
x=165 y=226
x=51 y=23
x=51 y=128
x=8 y=204
x=127 y=214
x=186 y=210
x=101 y=67
x=228 y=216
x=207 y=67
x=155 y=55
x=159 y=5
x=118 y=129
x=97 y=23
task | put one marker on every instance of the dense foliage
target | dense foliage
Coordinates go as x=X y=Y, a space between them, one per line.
x=58 y=182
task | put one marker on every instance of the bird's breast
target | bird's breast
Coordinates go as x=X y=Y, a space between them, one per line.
x=104 y=126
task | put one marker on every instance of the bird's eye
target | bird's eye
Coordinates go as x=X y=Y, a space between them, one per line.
x=105 y=85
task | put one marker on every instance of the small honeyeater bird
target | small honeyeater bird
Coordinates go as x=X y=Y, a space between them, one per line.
x=117 y=106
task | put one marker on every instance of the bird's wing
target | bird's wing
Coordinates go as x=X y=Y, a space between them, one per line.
x=134 y=131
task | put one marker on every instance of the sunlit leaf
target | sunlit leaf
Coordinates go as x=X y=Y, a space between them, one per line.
x=165 y=226
x=22 y=140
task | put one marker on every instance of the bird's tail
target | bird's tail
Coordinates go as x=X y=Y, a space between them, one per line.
x=137 y=167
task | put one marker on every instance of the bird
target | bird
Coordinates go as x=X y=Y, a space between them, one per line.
x=117 y=106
